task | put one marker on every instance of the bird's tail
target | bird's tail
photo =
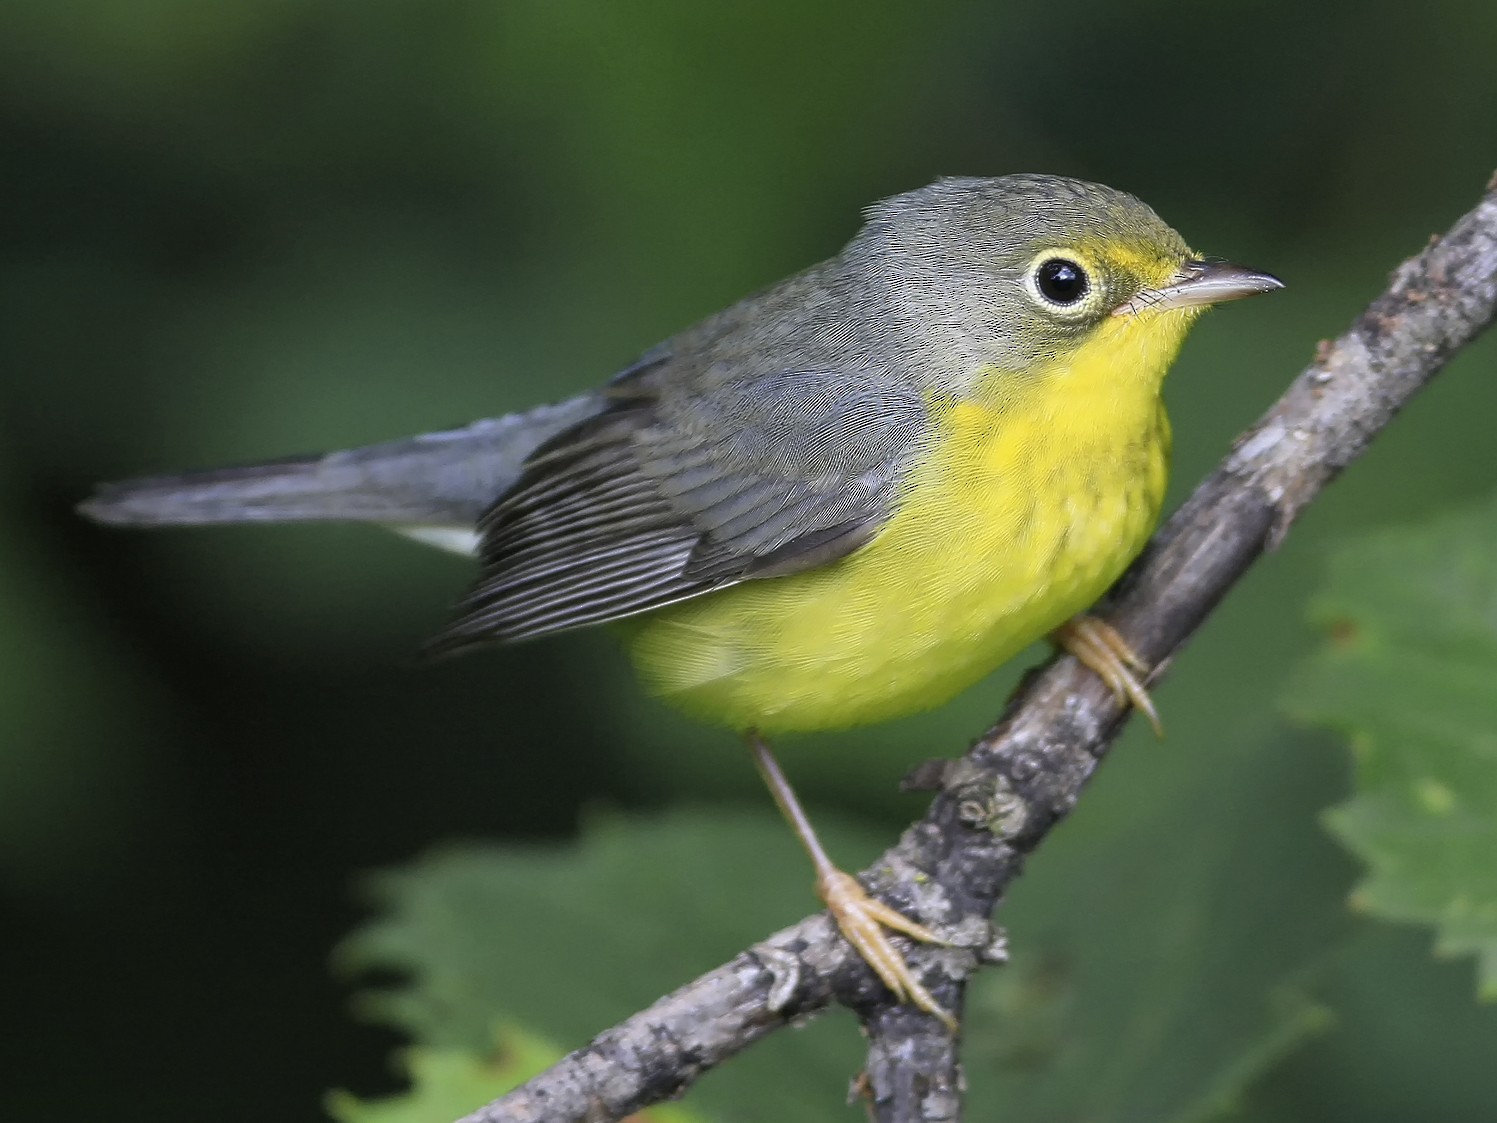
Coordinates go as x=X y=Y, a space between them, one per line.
x=436 y=482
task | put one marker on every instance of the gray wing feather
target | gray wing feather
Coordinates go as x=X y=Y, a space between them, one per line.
x=669 y=494
x=812 y=457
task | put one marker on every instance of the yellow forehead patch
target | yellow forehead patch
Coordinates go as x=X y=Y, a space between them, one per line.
x=1148 y=264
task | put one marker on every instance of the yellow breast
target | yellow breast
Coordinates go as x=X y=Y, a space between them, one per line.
x=1029 y=500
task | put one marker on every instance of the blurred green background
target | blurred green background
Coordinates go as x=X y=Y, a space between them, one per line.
x=263 y=227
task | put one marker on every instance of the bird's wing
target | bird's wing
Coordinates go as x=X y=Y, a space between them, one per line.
x=669 y=494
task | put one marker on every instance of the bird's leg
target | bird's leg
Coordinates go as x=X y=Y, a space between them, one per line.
x=1100 y=648
x=860 y=917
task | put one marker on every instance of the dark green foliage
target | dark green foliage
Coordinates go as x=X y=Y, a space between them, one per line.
x=258 y=227
x=1409 y=675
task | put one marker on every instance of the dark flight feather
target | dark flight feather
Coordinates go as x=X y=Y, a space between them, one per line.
x=637 y=508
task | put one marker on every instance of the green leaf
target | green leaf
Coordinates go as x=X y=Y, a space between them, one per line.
x=1409 y=675
x=448 y=1083
x=571 y=939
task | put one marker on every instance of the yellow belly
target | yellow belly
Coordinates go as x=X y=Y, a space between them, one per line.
x=1016 y=518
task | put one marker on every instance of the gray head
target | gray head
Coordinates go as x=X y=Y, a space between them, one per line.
x=1024 y=268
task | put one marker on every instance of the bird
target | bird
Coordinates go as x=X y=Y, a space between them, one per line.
x=839 y=501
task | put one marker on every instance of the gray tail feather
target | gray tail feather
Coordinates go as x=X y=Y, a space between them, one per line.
x=438 y=479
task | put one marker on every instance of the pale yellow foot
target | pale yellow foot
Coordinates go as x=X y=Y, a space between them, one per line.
x=861 y=918
x=1101 y=649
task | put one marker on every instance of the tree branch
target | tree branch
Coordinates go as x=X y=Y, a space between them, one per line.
x=994 y=805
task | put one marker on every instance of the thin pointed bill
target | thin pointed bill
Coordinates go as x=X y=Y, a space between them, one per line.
x=1200 y=283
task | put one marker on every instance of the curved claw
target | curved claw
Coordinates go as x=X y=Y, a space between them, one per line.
x=862 y=920
x=1097 y=645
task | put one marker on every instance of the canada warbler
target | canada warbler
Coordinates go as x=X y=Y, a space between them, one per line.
x=841 y=500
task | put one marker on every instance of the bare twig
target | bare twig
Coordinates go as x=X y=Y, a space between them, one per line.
x=998 y=802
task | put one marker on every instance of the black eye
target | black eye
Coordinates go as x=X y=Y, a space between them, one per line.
x=1061 y=281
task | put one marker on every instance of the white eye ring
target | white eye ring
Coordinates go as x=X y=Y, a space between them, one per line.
x=1064 y=283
